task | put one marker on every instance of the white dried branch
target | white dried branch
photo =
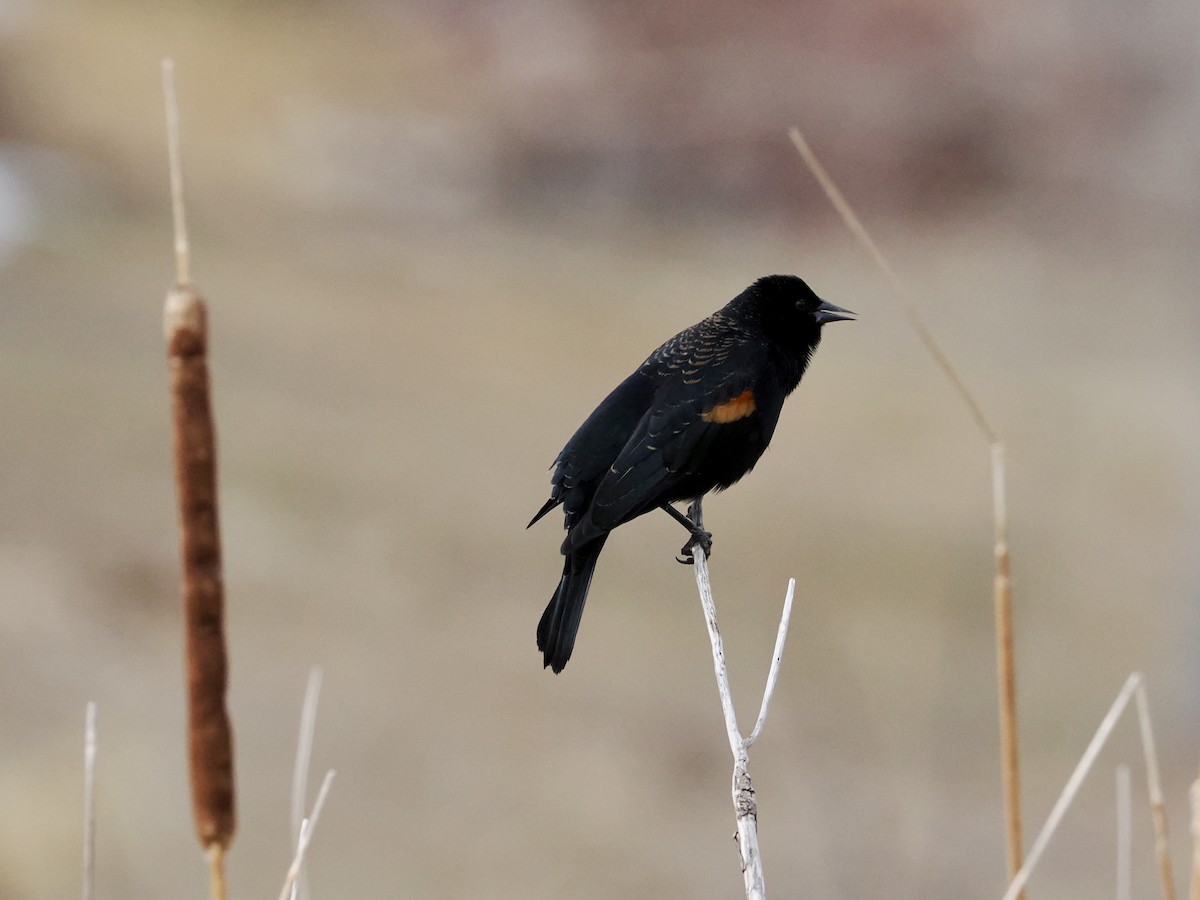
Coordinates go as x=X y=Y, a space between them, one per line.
x=718 y=651
x=744 y=804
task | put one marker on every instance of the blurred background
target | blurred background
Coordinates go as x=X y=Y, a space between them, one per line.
x=433 y=236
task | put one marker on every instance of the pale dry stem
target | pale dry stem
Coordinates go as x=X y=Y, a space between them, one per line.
x=89 y=801
x=1133 y=687
x=180 y=222
x=1195 y=793
x=216 y=871
x=1006 y=676
x=1158 y=812
x=307 y=826
x=1006 y=671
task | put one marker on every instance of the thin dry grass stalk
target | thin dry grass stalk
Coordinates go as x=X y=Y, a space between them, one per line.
x=210 y=739
x=1010 y=771
x=307 y=826
x=304 y=746
x=1071 y=788
x=1195 y=892
x=1006 y=675
x=1134 y=687
x=89 y=801
x=1157 y=810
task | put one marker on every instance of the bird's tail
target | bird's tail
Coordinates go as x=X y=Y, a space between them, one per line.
x=560 y=622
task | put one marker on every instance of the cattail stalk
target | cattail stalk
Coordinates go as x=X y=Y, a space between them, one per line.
x=210 y=739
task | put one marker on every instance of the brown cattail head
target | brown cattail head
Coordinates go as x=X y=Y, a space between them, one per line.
x=210 y=739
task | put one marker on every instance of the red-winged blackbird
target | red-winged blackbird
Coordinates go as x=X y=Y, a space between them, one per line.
x=694 y=417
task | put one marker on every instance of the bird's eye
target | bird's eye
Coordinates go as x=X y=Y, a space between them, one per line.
x=799 y=304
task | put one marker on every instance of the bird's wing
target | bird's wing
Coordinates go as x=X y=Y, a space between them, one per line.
x=703 y=389
x=596 y=443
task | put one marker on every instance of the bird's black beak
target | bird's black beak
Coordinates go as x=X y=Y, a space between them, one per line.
x=827 y=312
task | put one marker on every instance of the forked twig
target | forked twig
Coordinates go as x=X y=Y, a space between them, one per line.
x=744 y=805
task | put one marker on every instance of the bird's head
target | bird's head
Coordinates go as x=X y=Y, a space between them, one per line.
x=790 y=310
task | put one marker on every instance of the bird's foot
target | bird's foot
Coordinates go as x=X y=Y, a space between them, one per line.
x=700 y=538
x=694 y=523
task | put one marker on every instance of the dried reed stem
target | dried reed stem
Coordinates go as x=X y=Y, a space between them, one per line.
x=89 y=801
x=1157 y=811
x=1006 y=679
x=1010 y=771
x=210 y=741
x=1072 y=786
x=1134 y=687
x=905 y=299
x=215 y=854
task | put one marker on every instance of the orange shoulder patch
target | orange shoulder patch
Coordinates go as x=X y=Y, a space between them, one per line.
x=731 y=410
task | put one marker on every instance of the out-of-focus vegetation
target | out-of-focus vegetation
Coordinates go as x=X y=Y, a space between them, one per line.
x=432 y=237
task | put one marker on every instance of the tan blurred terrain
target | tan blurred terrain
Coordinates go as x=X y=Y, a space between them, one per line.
x=432 y=238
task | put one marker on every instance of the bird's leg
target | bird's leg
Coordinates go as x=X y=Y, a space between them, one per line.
x=694 y=523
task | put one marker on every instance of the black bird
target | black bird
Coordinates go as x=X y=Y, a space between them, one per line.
x=693 y=418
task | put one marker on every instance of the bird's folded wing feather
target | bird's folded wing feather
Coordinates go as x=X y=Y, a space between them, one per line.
x=670 y=438
x=590 y=451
